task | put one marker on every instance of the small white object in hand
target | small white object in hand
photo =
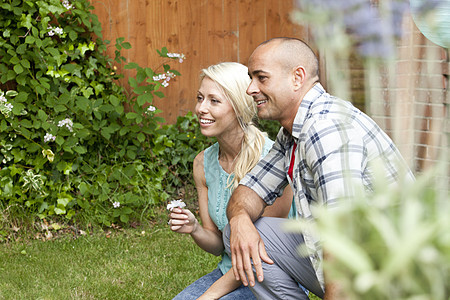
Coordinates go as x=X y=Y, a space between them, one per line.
x=175 y=203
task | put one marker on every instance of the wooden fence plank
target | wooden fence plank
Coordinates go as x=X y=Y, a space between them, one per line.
x=252 y=26
x=231 y=31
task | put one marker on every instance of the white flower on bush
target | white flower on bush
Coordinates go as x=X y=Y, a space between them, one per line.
x=49 y=137
x=181 y=57
x=32 y=181
x=159 y=77
x=66 y=122
x=49 y=154
x=5 y=106
x=67 y=4
x=175 y=203
x=151 y=108
x=55 y=30
x=116 y=204
x=165 y=76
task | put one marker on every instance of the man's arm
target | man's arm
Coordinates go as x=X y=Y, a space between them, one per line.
x=245 y=207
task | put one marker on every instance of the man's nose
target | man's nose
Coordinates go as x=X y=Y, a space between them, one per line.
x=252 y=88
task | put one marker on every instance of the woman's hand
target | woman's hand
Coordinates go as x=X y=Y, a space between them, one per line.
x=182 y=221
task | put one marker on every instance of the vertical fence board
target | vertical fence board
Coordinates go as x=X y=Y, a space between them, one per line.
x=215 y=32
x=252 y=26
x=231 y=31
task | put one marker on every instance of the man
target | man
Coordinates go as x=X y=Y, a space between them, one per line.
x=324 y=150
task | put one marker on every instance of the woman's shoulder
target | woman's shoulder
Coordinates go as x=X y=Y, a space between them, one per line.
x=199 y=158
x=198 y=167
x=211 y=152
x=268 y=143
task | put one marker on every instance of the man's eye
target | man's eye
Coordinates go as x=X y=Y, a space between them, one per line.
x=262 y=78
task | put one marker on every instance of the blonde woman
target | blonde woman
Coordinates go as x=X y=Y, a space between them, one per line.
x=226 y=112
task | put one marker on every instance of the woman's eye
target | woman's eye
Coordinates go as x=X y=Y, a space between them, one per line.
x=215 y=100
x=199 y=98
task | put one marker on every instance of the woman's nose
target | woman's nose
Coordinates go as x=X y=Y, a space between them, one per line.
x=201 y=107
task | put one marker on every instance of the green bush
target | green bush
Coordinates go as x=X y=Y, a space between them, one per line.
x=73 y=142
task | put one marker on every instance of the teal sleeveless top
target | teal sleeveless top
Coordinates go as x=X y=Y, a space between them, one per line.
x=219 y=194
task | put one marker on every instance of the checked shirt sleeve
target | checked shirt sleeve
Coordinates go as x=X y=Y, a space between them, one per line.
x=268 y=177
x=336 y=158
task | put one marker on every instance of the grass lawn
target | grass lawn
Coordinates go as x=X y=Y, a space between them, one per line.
x=148 y=262
x=131 y=264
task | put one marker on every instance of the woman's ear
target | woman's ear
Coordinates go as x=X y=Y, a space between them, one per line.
x=299 y=77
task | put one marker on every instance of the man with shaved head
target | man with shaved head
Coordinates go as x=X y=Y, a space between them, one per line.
x=324 y=150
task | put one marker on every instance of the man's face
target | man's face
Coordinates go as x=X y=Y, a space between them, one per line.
x=271 y=85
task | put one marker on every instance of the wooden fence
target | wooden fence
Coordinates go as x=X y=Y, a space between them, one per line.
x=212 y=31
x=206 y=31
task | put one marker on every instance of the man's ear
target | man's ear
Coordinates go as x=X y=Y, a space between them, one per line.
x=299 y=77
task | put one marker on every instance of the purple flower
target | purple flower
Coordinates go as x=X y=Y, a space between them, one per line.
x=372 y=28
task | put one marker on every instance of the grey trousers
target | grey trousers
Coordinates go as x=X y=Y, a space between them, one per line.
x=281 y=279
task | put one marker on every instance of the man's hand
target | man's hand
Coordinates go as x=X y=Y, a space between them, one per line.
x=246 y=246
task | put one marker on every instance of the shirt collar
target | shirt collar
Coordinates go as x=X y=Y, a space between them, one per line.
x=315 y=92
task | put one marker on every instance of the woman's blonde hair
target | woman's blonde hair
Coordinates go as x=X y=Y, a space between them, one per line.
x=232 y=78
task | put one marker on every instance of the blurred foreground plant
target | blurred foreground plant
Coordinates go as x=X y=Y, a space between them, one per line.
x=392 y=244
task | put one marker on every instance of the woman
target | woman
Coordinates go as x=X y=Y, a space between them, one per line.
x=226 y=112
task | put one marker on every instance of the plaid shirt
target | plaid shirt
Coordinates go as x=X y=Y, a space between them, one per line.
x=334 y=141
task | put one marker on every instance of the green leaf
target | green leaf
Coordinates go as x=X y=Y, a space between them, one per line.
x=120 y=109
x=59 y=140
x=22 y=97
x=6 y=33
x=126 y=45
x=159 y=94
x=80 y=149
x=106 y=134
x=21 y=48
x=30 y=39
x=17 y=109
x=60 y=108
x=131 y=115
x=142 y=99
x=132 y=82
x=73 y=35
x=82 y=103
x=130 y=171
x=131 y=65
x=59 y=210
x=63 y=201
x=25 y=63
x=124 y=218
x=84 y=189
x=141 y=137
x=14 y=60
x=114 y=100
x=131 y=153
x=124 y=130
x=18 y=69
